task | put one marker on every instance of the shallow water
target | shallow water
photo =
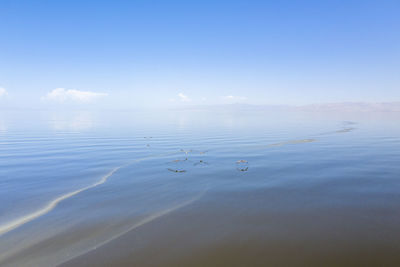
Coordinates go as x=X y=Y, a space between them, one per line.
x=107 y=188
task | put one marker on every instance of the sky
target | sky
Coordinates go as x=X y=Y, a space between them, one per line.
x=129 y=54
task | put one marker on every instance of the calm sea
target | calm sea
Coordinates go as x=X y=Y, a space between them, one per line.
x=226 y=187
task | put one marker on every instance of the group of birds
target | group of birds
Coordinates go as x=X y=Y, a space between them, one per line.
x=241 y=165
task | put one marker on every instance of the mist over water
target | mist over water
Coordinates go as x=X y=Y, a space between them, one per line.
x=232 y=184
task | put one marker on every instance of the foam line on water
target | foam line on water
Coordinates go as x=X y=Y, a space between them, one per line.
x=7 y=227
x=293 y=142
x=51 y=205
x=309 y=140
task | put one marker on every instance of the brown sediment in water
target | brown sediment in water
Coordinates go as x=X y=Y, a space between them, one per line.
x=345 y=130
x=178 y=160
x=223 y=232
x=346 y=127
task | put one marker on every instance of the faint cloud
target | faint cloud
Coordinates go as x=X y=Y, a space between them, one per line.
x=184 y=98
x=63 y=95
x=3 y=92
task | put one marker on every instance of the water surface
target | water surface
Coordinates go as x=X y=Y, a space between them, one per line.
x=200 y=187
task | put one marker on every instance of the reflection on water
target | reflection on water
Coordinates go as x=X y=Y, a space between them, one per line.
x=78 y=184
x=3 y=127
x=3 y=124
x=75 y=121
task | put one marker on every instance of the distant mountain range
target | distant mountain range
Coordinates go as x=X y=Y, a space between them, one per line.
x=342 y=107
x=353 y=106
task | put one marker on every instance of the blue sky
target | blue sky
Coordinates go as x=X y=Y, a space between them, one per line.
x=122 y=54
